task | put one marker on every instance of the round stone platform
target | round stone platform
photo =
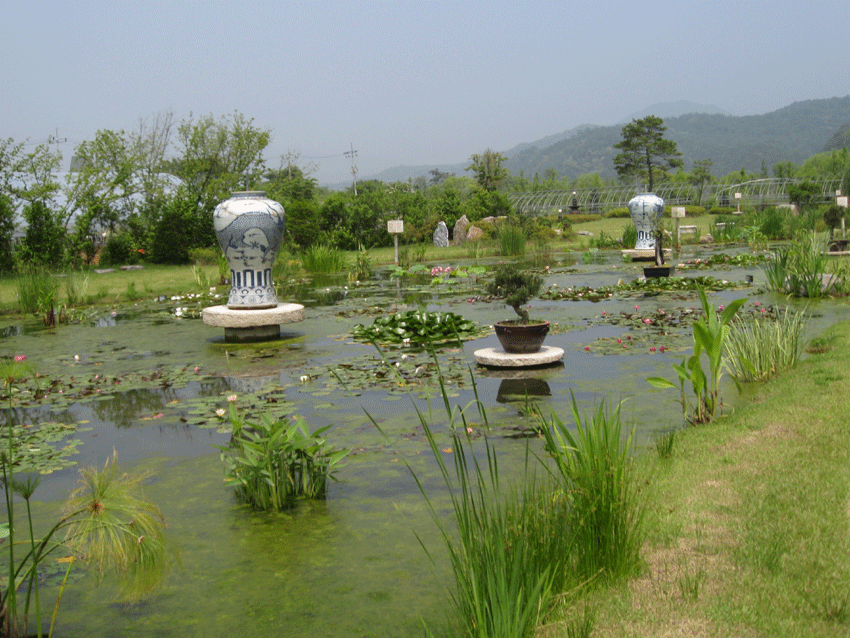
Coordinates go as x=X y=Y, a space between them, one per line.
x=260 y=324
x=497 y=357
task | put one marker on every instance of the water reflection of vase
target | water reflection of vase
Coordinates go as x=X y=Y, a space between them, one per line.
x=645 y=210
x=249 y=227
x=522 y=388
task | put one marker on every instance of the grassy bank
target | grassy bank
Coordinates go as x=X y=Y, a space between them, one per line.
x=750 y=525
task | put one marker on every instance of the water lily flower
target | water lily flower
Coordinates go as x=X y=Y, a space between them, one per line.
x=587 y=348
x=636 y=308
x=197 y=368
x=20 y=357
x=647 y=320
x=231 y=398
x=114 y=314
x=603 y=313
x=721 y=307
x=220 y=412
x=619 y=340
x=756 y=303
x=304 y=378
x=662 y=348
x=403 y=357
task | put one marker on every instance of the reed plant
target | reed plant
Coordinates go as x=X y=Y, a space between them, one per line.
x=629 y=237
x=321 y=258
x=607 y=510
x=76 y=288
x=510 y=240
x=36 y=289
x=759 y=347
x=800 y=268
x=272 y=462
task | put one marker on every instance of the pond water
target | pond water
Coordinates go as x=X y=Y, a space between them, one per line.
x=145 y=382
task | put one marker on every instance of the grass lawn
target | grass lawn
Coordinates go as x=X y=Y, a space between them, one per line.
x=750 y=532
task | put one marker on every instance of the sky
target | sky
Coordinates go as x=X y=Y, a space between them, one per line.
x=404 y=83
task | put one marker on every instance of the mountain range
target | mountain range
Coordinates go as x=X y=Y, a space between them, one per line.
x=701 y=131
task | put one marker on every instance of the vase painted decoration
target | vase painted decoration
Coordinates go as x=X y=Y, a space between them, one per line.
x=249 y=227
x=646 y=209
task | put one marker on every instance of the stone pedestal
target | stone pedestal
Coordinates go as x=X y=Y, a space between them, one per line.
x=497 y=357
x=245 y=326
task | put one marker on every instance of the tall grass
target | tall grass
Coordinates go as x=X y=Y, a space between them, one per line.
x=800 y=268
x=76 y=288
x=510 y=240
x=321 y=258
x=607 y=511
x=514 y=550
x=36 y=289
x=758 y=348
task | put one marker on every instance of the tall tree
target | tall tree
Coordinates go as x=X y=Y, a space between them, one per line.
x=700 y=176
x=645 y=152
x=488 y=169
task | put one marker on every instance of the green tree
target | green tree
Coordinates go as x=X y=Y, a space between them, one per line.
x=784 y=169
x=488 y=169
x=217 y=157
x=44 y=240
x=7 y=231
x=804 y=194
x=700 y=176
x=645 y=152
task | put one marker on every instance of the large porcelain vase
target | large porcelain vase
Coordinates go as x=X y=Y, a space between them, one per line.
x=249 y=227
x=646 y=209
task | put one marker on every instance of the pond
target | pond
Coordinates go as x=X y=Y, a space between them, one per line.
x=146 y=380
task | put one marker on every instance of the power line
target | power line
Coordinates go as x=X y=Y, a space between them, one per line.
x=352 y=154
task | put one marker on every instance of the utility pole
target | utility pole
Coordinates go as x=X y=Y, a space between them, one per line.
x=54 y=139
x=351 y=155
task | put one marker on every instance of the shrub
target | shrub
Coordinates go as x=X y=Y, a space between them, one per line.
x=119 y=249
x=721 y=210
x=619 y=213
x=205 y=256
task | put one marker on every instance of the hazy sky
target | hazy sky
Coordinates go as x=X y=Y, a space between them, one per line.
x=429 y=82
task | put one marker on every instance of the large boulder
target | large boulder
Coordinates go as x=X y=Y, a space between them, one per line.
x=441 y=235
x=459 y=231
x=473 y=233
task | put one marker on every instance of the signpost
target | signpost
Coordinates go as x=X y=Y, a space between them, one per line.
x=678 y=212
x=395 y=227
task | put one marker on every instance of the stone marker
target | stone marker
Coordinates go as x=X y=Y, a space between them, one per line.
x=473 y=233
x=459 y=231
x=441 y=235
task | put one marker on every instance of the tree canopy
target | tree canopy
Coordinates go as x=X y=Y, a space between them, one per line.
x=645 y=152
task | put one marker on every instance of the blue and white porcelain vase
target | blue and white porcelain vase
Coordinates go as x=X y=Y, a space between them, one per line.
x=249 y=227
x=646 y=209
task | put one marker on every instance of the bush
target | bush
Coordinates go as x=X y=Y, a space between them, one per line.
x=205 y=256
x=619 y=213
x=119 y=249
x=722 y=210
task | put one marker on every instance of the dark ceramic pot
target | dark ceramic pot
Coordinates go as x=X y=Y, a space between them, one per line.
x=657 y=271
x=521 y=338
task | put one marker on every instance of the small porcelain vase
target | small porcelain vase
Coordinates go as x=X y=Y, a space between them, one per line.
x=249 y=227
x=646 y=209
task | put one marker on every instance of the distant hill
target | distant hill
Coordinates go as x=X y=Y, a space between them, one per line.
x=666 y=110
x=792 y=133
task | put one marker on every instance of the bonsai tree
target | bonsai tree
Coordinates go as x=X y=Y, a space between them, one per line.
x=516 y=286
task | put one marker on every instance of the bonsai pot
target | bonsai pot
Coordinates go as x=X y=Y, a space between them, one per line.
x=656 y=271
x=521 y=338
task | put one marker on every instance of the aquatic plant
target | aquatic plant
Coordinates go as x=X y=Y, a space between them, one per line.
x=607 y=511
x=759 y=347
x=272 y=462
x=800 y=268
x=417 y=327
x=710 y=335
x=320 y=258
x=510 y=240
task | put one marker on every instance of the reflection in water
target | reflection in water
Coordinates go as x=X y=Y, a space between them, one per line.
x=521 y=389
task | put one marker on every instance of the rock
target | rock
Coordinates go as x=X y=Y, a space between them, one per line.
x=706 y=239
x=473 y=233
x=585 y=233
x=459 y=231
x=441 y=235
